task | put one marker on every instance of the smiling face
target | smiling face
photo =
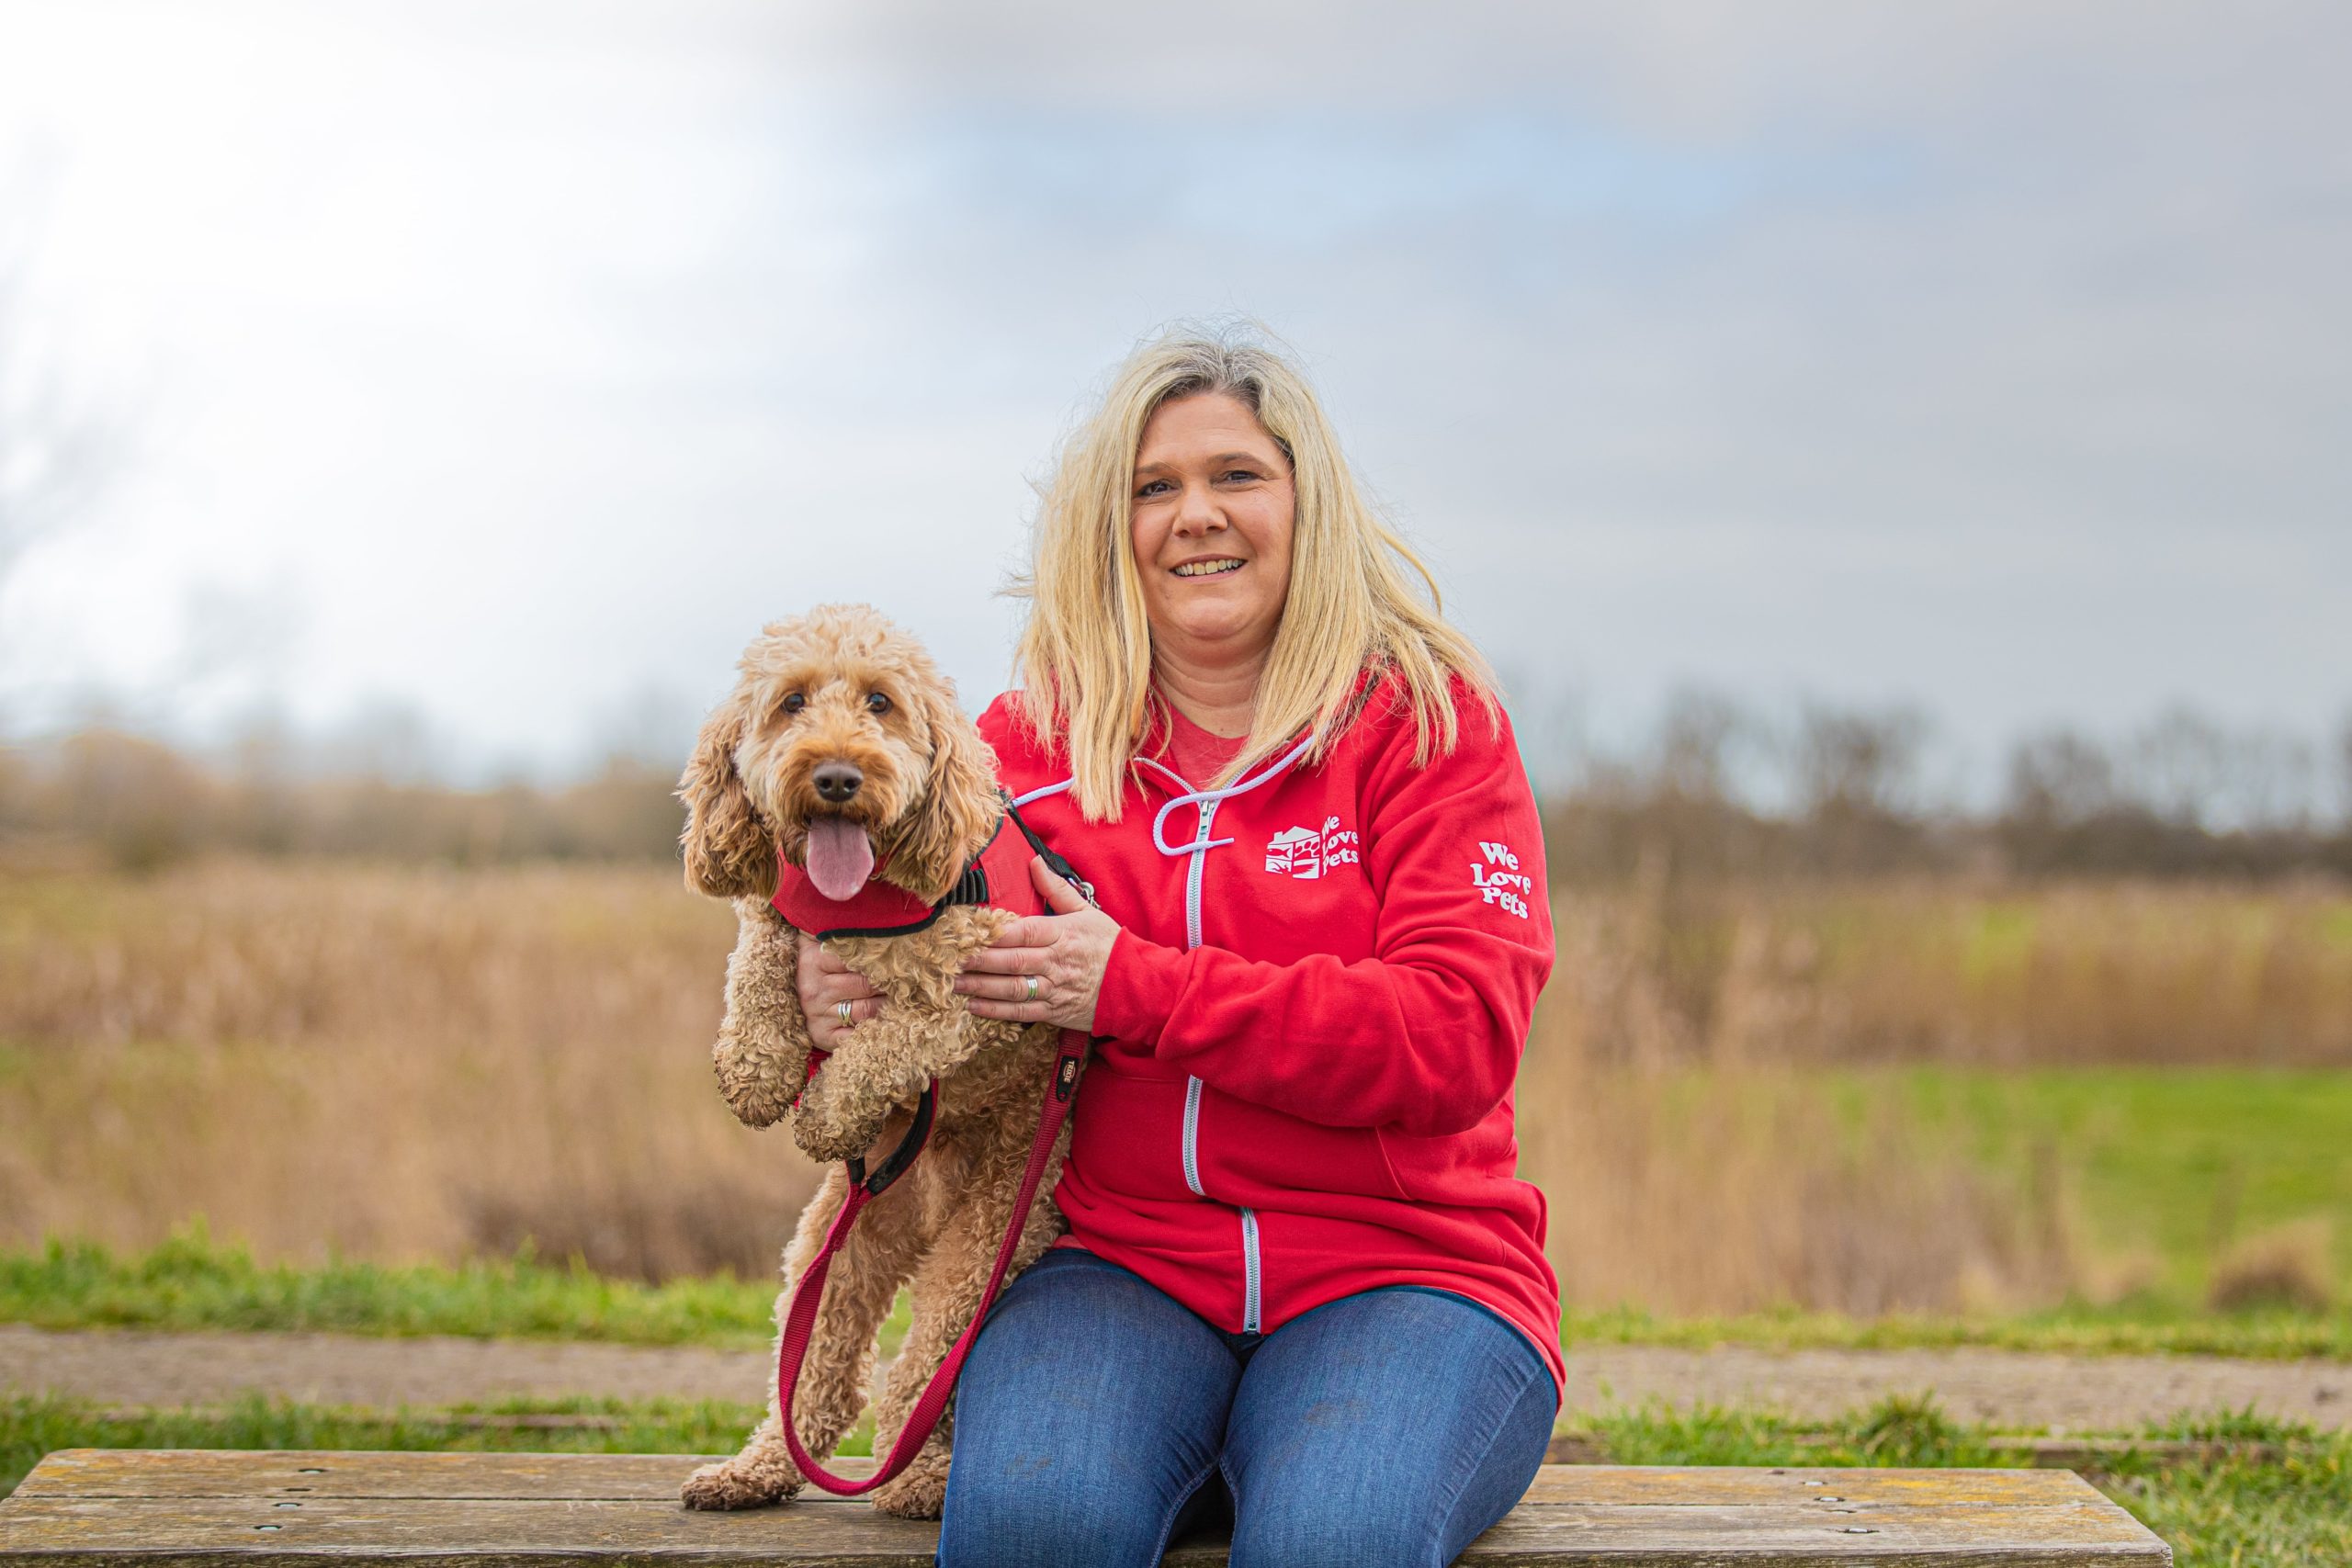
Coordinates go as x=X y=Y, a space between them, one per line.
x=1211 y=528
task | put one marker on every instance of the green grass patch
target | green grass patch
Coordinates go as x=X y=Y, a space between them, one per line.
x=2140 y=1327
x=2288 y=1508
x=193 y=1282
x=31 y=1426
x=2169 y=1163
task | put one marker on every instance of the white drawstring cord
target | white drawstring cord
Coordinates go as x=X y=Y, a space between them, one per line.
x=1206 y=796
x=1190 y=797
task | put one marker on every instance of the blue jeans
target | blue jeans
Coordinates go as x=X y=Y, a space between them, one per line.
x=1097 y=1419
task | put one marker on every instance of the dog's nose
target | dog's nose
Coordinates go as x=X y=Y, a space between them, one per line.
x=837 y=781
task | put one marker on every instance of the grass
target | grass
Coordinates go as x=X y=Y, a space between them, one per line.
x=193 y=1281
x=2138 y=1327
x=32 y=1426
x=2284 y=1507
x=2291 y=1508
x=2169 y=1163
x=2247 y=1514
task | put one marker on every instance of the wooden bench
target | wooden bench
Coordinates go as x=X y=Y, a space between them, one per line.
x=204 y=1507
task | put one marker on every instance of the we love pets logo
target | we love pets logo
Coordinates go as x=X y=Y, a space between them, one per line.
x=1308 y=852
x=1498 y=880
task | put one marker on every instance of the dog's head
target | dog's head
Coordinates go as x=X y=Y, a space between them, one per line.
x=841 y=746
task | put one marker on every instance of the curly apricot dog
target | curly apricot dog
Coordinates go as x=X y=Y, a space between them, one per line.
x=841 y=748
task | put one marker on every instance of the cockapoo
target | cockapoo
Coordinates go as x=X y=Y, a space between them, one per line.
x=841 y=750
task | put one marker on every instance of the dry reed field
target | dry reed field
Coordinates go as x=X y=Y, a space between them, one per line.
x=400 y=1063
x=403 y=1062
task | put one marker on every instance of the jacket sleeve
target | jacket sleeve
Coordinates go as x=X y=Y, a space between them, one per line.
x=1425 y=1035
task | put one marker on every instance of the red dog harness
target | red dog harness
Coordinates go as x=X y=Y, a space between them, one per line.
x=999 y=874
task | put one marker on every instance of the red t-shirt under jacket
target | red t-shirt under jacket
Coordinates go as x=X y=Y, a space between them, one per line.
x=1314 y=1013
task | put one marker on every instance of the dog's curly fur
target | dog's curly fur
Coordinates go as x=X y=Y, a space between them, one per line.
x=928 y=803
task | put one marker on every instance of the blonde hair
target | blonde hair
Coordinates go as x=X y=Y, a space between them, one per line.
x=1084 y=656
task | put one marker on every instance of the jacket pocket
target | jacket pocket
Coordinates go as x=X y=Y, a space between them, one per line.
x=1249 y=1152
x=1128 y=1134
x=1453 y=1167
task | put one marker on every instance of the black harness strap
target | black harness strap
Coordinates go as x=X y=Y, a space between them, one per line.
x=1054 y=862
x=895 y=1165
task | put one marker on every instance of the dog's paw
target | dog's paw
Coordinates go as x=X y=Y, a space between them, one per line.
x=749 y=1082
x=918 y=1493
x=826 y=1131
x=828 y=1144
x=732 y=1483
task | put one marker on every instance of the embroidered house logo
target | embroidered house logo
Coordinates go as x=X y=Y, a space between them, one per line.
x=1308 y=852
x=1498 y=880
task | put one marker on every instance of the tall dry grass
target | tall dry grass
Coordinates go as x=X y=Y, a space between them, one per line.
x=396 y=1062
x=1949 y=971
x=405 y=1063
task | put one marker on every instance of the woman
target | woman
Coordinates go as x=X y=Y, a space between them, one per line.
x=1300 y=1280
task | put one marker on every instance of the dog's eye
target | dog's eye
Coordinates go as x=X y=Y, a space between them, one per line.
x=794 y=702
x=876 y=703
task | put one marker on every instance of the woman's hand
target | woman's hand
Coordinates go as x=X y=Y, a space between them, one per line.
x=825 y=983
x=1065 y=953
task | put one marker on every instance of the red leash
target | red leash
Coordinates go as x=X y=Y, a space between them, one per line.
x=808 y=1291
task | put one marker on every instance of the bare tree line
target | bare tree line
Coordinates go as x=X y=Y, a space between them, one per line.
x=1719 y=792
x=1714 y=793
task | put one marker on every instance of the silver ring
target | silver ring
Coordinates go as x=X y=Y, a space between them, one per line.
x=1031 y=981
x=841 y=1011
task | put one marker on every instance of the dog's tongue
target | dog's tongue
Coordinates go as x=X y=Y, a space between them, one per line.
x=840 y=857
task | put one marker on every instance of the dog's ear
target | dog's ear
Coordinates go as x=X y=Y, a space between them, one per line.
x=730 y=851
x=958 y=807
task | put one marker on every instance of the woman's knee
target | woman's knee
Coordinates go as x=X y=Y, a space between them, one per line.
x=1310 y=1525
x=1333 y=1458
x=1086 y=1516
x=1403 y=1506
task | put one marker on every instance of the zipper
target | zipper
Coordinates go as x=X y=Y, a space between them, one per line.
x=1191 y=1135
x=1193 y=876
x=1251 y=1279
x=1191 y=941
x=1249 y=1271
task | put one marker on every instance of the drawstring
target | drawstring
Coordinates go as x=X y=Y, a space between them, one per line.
x=1204 y=797
x=1190 y=797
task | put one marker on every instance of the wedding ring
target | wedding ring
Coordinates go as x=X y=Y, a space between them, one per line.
x=841 y=1011
x=1031 y=981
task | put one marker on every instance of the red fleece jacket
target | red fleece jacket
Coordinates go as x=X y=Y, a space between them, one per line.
x=1314 y=1015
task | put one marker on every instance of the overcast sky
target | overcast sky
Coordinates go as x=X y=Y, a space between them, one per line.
x=510 y=364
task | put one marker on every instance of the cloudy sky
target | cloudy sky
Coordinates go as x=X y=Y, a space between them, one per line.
x=507 y=365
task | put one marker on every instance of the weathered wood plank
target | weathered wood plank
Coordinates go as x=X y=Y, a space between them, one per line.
x=1724 y=1484
x=191 y=1472
x=203 y=1508
x=219 y=1529
x=231 y=1473
x=206 y=1529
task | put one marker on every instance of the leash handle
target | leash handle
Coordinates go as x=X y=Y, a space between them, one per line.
x=807 y=1291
